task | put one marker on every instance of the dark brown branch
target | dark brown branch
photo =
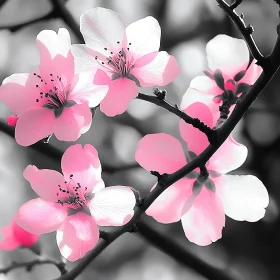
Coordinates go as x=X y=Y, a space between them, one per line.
x=180 y=254
x=176 y=111
x=66 y=16
x=16 y=27
x=28 y=266
x=2 y=3
x=246 y=31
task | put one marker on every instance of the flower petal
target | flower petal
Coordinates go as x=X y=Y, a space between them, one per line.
x=19 y=93
x=196 y=140
x=83 y=164
x=83 y=89
x=113 y=206
x=204 y=222
x=192 y=96
x=34 y=125
x=38 y=216
x=55 y=43
x=9 y=241
x=228 y=157
x=160 y=152
x=205 y=84
x=244 y=197
x=168 y=207
x=252 y=73
x=44 y=182
x=144 y=36
x=121 y=92
x=160 y=71
x=73 y=122
x=76 y=236
x=96 y=27
x=25 y=238
x=230 y=55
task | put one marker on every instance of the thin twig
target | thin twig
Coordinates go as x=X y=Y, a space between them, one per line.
x=29 y=265
x=16 y=27
x=176 y=111
x=2 y=2
x=246 y=31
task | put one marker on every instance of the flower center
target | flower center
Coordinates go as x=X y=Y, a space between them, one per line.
x=72 y=195
x=119 y=63
x=53 y=94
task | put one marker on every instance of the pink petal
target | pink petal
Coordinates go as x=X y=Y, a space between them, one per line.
x=83 y=164
x=160 y=152
x=8 y=241
x=76 y=236
x=25 y=238
x=162 y=70
x=204 y=222
x=83 y=89
x=228 y=157
x=73 y=122
x=18 y=91
x=196 y=140
x=121 y=92
x=44 y=182
x=34 y=125
x=96 y=27
x=113 y=206
x=144 y=36
x=228 y=54
x=168 y=207
x=244 y=197
x=252 y=73
x=38 y=216
x=101 y=78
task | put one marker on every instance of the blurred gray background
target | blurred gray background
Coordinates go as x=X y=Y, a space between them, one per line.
x=247 y=250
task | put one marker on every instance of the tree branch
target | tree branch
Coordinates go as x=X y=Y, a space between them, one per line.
x=246 y=31
x=176 y=111
x=16 y=27
x=29 y=265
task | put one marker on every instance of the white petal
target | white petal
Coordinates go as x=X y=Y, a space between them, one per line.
x=205 y=84
x=85 y=91
x=113 y=206
x=144 y=36
x=245 y=197
x=102 y=28
x=56 y=44
x=228 y=54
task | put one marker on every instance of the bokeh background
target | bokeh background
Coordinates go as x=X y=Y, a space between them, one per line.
x=247 y=250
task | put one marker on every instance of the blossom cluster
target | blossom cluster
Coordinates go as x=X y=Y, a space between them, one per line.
x=57 y=98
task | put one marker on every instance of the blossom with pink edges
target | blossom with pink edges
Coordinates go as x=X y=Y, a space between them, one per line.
x=230 y=74
x=76 y=203
x=14 y=237
x=125 y=56
x=198 y=200
x=52 y=99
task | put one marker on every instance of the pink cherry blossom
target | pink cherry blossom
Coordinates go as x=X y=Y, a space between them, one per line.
x=52 y=99
x=14 y=236
x=200 y=200
x=12 y=120
x=230 y=74
x=75 y=203
x=125 y=56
